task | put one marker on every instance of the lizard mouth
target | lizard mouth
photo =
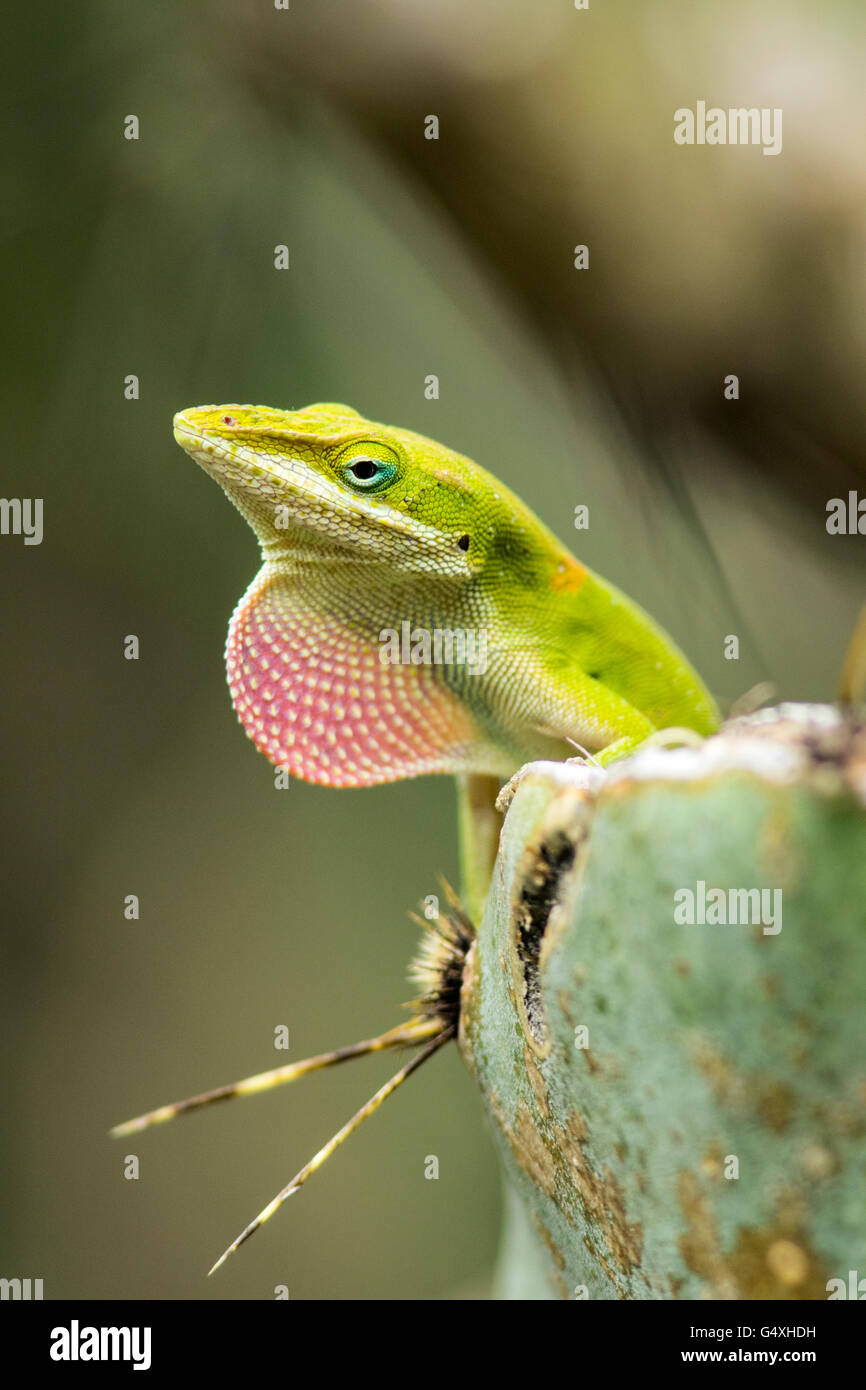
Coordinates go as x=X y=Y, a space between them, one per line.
x=233 y=464
x=285 y=500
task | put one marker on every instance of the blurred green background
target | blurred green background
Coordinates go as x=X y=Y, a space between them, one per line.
x=408 y=257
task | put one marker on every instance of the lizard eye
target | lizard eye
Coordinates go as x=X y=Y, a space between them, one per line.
x=368 y=474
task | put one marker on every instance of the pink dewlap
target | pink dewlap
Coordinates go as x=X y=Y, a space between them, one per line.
x=315 y=698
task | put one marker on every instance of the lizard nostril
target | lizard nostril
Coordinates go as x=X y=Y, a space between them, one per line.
x=229 y=420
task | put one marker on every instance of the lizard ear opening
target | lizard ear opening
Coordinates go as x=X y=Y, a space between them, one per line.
x=334 y=704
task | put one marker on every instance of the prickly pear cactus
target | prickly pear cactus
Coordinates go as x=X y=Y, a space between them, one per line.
x=664 y=1010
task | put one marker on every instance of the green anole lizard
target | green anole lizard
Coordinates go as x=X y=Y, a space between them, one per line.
x=373 y=541
x=364 y=529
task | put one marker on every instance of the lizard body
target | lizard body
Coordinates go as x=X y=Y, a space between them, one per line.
x=364 y=528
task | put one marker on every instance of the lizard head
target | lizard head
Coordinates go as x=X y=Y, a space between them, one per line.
x=325 y=482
